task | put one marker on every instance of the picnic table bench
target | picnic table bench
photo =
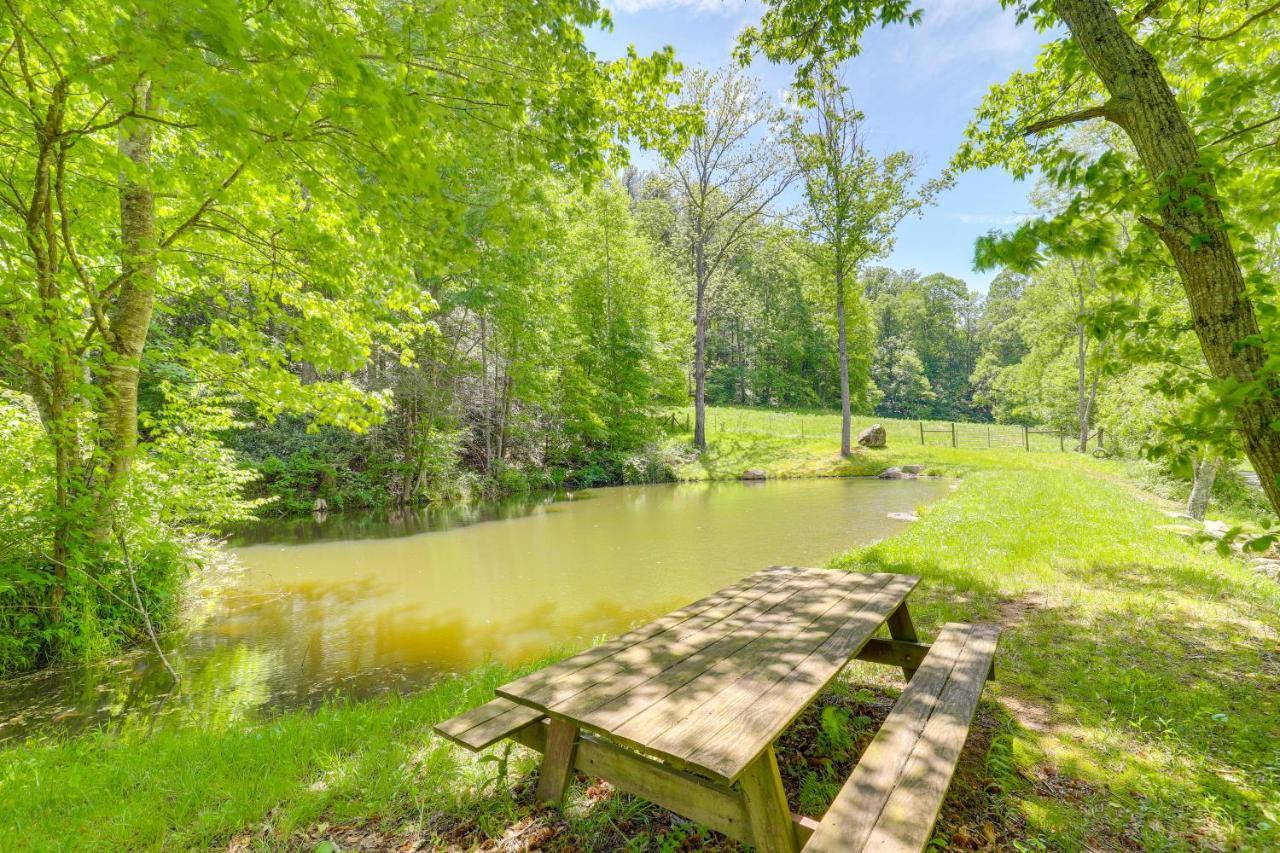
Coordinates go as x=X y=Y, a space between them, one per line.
x=684 y=711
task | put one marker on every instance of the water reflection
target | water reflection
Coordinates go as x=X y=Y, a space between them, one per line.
x=361 y=605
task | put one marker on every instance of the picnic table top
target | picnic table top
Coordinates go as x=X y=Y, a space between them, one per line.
x=710 y=686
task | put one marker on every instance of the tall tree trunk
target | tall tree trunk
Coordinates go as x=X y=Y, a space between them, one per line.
x=1082 y=386
x=842 y=346
x=1143 y=105
x=1206 y=471
x=700 y=349
x=130 y=319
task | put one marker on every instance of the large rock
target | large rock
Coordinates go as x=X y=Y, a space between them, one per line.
x=896 y=474
x=873 y=436
x=755 y=474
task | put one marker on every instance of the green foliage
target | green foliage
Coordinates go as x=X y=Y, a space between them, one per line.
x=269 y=202
x=187 y=484
x=927 y=341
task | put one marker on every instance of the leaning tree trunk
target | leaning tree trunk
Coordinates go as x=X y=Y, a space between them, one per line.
x=1206 y=471
x=130 y=320
x=1193 y=229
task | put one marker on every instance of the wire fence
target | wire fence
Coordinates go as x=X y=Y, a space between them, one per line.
x=823 y=426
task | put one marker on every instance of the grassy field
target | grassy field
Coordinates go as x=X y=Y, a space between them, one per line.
x=1139 y=679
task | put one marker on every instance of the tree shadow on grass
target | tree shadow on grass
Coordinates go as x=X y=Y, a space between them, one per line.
x=1162 y=680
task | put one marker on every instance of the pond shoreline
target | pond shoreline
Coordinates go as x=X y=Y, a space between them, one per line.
x=1068 y=758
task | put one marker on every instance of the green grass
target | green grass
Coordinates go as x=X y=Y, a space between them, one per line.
x=1139 y=680
x=788 y=444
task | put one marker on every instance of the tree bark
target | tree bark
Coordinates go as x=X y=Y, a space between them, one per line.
x=1143 y=105
x=842 y=346
x=1206 y=471
x=130 y=320
x=700 y=349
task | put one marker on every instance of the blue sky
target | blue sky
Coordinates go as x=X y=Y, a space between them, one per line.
x=918 y=88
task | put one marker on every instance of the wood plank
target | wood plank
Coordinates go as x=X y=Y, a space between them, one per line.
x=645 y=661
x=912 y=809
x=676 y=671
x=849 y=822
x=557 y=761
x=902 y=628
x=635 y=665
x=715 y=806
x=901 y=654
x=487 y=724
x=893 y=653
x=684 y=718
x=749 y=721
x=767 y=812
x=553 y=683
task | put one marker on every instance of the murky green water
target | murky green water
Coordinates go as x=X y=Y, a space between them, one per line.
x=360 y=605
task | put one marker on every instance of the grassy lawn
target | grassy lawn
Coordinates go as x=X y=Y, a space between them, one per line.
x=1136 y=707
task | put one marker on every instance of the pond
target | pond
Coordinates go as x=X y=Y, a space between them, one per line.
x=363 y=604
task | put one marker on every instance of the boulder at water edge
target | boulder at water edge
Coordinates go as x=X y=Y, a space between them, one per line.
x=896 y=474
x=754 y=474
x=873 y=436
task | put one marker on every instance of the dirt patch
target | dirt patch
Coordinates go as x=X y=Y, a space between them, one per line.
x=1014 y=612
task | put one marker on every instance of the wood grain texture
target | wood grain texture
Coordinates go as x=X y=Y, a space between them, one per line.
x=725 y=679
x=557 y=761
x=902 y=628
x=562 y=680
x=758 y=720
x=891 y=800
x=782 y=660
x=715 y=806
x=487 y=724
x=772 y=829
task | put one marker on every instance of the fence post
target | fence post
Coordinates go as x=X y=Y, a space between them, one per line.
x=953 y=433
x=988 y=435
x=1062 y=447
x=922 y=433
x=1026 y=438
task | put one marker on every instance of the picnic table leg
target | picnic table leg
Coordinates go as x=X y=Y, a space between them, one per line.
x=557 y=761
x=767 y=809
x=902 y=628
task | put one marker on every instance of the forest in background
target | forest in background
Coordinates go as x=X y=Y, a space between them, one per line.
x=418 y=271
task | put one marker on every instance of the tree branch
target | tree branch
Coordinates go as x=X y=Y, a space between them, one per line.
x=1102 y=111
x=1261 y=13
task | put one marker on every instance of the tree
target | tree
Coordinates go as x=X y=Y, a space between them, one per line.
x=285 y=175
x=1194 y=59
x=855 y=203
x=724 y=181
x=900 y=376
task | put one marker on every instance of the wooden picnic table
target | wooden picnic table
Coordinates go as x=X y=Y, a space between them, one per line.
x=684 y=710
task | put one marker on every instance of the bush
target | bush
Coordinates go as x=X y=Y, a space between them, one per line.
x=184 y=484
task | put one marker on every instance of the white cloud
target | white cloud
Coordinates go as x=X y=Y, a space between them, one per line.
x=715 y=7
x=990 y=218
x=969 y=31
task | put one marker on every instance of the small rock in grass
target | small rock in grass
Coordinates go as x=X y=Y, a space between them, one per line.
x=873 y=436
x=904 y=516
x=1216 y=529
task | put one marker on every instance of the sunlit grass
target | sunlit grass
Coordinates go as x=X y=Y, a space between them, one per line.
x=1139 y=673
x=1149 y=666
